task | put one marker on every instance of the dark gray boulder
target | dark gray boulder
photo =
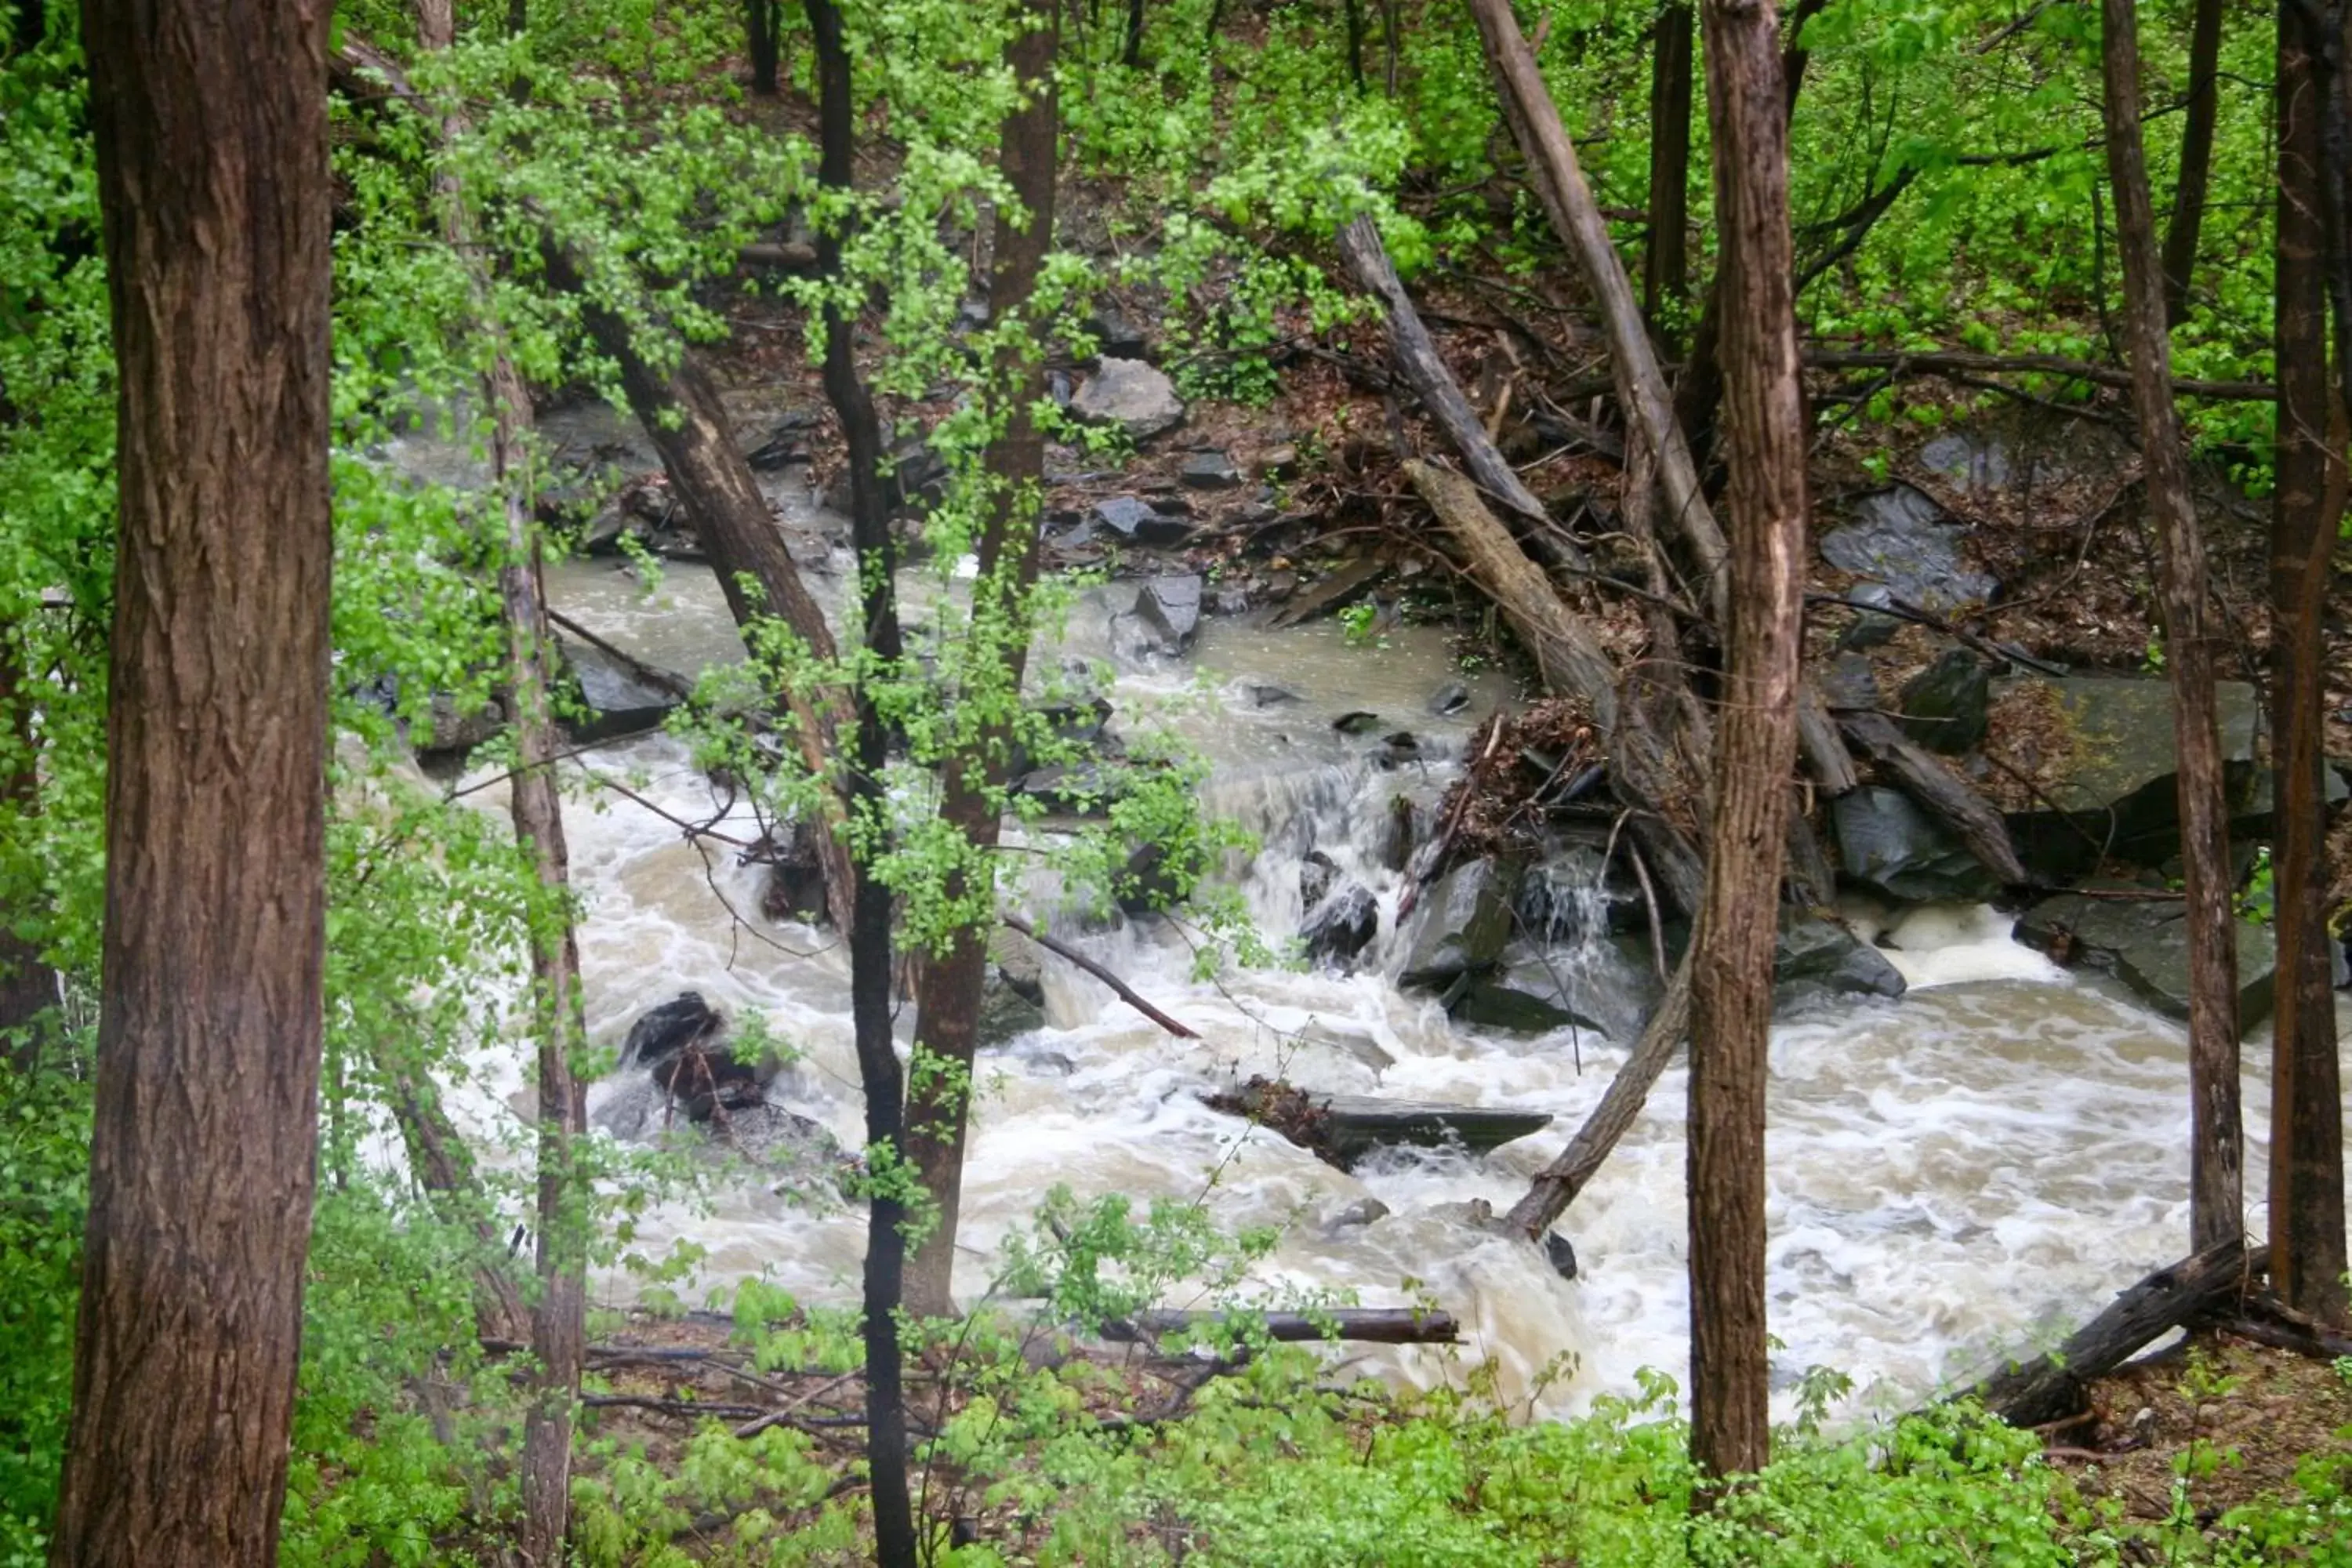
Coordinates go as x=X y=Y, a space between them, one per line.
x=1886 y=843
x=1901 y=538
x=1340 y=924
x=1169 y=610
x=1817 y=960
x=1946 y=706
x=617 y=700
x=1210 y=470
x=1461 y=924
x=1122 y=515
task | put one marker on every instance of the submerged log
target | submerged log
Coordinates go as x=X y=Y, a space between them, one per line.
x=1365 y=1325
x=2048 y=1388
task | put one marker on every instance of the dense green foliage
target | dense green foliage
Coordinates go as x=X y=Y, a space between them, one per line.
x=1220 y=167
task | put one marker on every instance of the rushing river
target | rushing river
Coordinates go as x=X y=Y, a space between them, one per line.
x=1955 y=1175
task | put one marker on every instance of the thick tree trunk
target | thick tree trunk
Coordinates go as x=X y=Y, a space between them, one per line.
x=869 y=923
x=763 y=22
x=2196 y=157
x=211 y=123
x=1132 y=55
x=1355 y=17
x=948 y=1026
x=1756 y=743
x=2307 y=1176
x=1666 y=260
x=2216 y=1153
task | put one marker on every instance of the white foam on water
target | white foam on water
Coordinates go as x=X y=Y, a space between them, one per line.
x=1952 y=1176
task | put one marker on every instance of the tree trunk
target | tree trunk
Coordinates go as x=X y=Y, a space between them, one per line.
x=2306 y=1177
x=557 y=1011
x=2216 y=1153
x=2196 y=158
x=211 y=123
x=763 y=21
x=869 y=923
x=947 y=1028
x=1355 y=19
x=1665 y=261
x=1756 y=743
x=1132 y=55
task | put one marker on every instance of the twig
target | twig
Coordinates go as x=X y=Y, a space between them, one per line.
x=1125 y=993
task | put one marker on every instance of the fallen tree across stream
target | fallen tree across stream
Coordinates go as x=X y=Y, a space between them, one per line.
x=1361 y=1325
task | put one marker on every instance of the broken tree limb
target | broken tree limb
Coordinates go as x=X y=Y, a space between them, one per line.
x=1557 y=1184
x=2052 y=1387
x=1955 y=362
x=1125 y=993
x=1416 y=359
x=1570 y=659
x=1933 y=785
x=1553 y=168
x=1364 y=1325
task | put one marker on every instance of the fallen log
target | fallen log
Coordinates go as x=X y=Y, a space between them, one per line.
x=1953 y=362
x=1362 y=1325
x=1557 y=1184
x=2048 y=1388
x=1417 y=361
x=1933 y=785
x=652 y=674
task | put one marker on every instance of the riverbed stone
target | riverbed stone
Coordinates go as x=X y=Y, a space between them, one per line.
x=1901 y=538
x=2144 y=942
x=1461 y=924
x=1946 y=706
x=1121 y=515
x=1888 y=844
x=1340 y=924
x=618 y=700
x=1126 y=392
x=1170 y=607
x=1817 y=959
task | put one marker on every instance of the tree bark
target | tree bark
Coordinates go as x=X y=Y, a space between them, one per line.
x=2052 y=1387
x=948 y=1024
x=1756 y=743
x=1132 y=55
x=2306 y=1176
x=1666 y=260
x=2196 y=158
x=869 y=923
x=211 y=124
x=763 y=22
x=2216 y=1153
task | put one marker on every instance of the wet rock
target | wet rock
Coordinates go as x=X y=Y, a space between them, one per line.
x=1341 y=923
x=660 y=1034
x=1122 y=515
x=1973 y=460
x=1567 y=896
x=1348 y=1042
x=1357 y=723
x=1020 y=963
x=1869 y=630
x=1888 y=844
x=1605 y=984
x=918 y=474
x=795 y=889
x=1115 y=333
x=676 y=1046
x=1363 y=1210
x=1005 y=1013
x=1461 y=924
x=1081 y=789
x=1210 y=470
x=2108 y=763
x=1317 y=873
x=1170 y=608
x=1340 y=585
x=448 y=732
x=1449 y=699
x=1946 y=706
x=1501 y=1004
x=2144 y=942
x=1399 y=834
x=1901 y=538
x=1559 y=1254
x=776 y=1139
x=1264 y=696
x=1130 y=395
x=618 y=700
x=1816 y=959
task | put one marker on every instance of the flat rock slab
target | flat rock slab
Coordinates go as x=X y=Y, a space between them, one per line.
x=1901 y=538
x=2144 y=942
